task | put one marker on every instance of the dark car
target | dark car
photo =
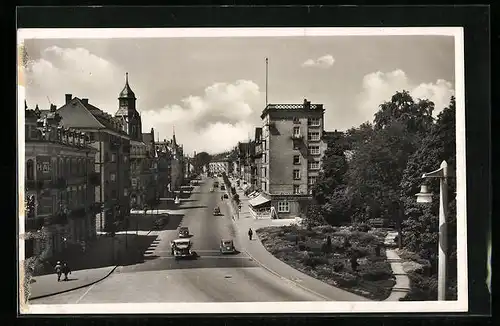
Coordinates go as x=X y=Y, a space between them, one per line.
x=222 y=187
x=183 y=232
x=216 y=211
x=226 y=196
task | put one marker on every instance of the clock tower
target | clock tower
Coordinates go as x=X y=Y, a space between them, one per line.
x=128 y=112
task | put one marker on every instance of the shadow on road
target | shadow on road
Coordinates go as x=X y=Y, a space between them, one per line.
x=193 y=207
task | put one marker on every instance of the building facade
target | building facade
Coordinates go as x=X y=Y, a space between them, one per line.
x=172 y=155
x=142 y=177
x=60 y=184
x=292 y=148
x=109 y=136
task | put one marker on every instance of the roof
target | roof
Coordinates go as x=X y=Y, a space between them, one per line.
x=304 y=107
x=127 y=91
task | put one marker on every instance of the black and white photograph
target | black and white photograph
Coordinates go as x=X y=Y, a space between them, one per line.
x=241 y=170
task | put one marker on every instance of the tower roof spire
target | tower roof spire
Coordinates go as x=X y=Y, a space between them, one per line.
x=127 y=91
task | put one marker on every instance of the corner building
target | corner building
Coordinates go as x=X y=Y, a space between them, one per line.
x=291 y=150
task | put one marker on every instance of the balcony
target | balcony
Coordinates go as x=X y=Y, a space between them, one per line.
x=59 y=183
x=33 y=224
x=94 y=179
x=78 y=213
x=33 y=185
x=58 y=218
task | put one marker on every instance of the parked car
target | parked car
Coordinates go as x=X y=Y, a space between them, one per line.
x=216 y=184
x=216 y=211
x=183 y=232
x=225 y=196
x=227 y=246
x=222 y=187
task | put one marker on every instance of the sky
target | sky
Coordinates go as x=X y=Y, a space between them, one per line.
x=211 y=91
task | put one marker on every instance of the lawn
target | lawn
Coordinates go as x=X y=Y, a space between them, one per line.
x=306 y=251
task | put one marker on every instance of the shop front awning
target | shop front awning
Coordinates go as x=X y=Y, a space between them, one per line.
x=260 y=200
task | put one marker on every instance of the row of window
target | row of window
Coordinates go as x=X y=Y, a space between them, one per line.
x=311 y=135
x=314 y=165
x=313 y=122
x=59 y=167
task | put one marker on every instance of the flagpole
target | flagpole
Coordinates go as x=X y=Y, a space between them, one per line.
x=267 y=78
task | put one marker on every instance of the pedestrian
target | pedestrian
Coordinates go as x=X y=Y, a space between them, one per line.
x=66 y=270
x=58 y=269
x=250 y=233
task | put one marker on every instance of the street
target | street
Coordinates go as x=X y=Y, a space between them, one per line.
x=212 y=277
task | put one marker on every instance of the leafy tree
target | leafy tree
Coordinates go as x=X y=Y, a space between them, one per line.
x=420 y=228
x=200 y=160
x=334 y=167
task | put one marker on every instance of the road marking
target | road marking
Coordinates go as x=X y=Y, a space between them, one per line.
x=86 y=292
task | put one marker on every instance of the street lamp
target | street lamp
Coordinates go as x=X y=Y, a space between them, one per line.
x=443 y=173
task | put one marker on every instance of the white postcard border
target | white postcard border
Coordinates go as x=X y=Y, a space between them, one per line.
x=461 y=305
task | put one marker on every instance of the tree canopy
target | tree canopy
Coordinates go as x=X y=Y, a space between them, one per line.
x=200 y=160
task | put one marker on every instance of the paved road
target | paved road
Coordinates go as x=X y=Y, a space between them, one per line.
x=210 y=278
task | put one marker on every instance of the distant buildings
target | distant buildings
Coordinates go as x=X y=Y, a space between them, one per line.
x=282 y=163
x=220 y=166
x=60 y=185
x=174 y=164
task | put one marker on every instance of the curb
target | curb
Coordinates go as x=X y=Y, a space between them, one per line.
x=75 y=288
x=275 y=273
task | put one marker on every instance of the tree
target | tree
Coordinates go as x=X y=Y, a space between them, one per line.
x=381 y=154
x=200 y=160
x=420 y=228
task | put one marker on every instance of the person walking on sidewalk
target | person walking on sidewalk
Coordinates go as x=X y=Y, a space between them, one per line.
x=66 y=270
x=250 y=233
x=58 y=269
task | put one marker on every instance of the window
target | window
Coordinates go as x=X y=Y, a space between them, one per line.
x=283 y=207
x=112 y=177
x=311 y=180
x=264 y=145
x=314 y=150
x=313 y=165
x=296 y=159
x=313 y=135
x=296 y=120
x=296 y=189
x=296 y=131
x=296 y=174
x=264 y=158
x=30 y=170
x=113 y=157
x=314 y=122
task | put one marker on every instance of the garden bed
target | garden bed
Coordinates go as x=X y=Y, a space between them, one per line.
x=306 y=251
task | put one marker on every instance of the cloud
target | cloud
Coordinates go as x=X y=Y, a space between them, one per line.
x=212 y=122
x=378 y=87
x=76 y=71
x=325 y=61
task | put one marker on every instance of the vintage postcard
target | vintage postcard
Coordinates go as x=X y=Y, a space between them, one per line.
x=250 y=170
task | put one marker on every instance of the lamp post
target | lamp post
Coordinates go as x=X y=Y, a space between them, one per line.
x=443 y=173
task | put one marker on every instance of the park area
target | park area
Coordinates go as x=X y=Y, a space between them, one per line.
x=344 y=257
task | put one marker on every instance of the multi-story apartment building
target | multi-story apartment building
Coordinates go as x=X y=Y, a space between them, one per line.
x=109 y=136
x=257 y=160
x=292 y=148
x=60 y=184
x=219 y=166
x=173 y=154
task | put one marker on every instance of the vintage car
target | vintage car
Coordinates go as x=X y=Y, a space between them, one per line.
x=227 y=246
x=225 y=196
x=216 y=184
x=181 y=248
x=216 y=211
x=222 y=187
x=183 y=232
x=212 y=189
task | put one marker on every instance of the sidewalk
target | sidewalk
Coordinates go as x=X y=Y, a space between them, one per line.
x=402 y=286
x=255 y=249
x=99 y=260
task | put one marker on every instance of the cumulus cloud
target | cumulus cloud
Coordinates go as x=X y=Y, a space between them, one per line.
x=76 y=71
x=212 y=122
x=378 y=87
x=325 y=61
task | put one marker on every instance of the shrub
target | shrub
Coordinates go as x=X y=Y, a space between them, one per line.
x=338 y=266
x=378 y=271
x=314 y=261
x=302 y=246
x=362 y=227
x=364 y=238
x=422 y=288
x=345 y=279
x=361 y=251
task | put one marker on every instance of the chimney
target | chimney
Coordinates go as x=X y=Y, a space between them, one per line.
x=85 y=100
x=68 y=98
